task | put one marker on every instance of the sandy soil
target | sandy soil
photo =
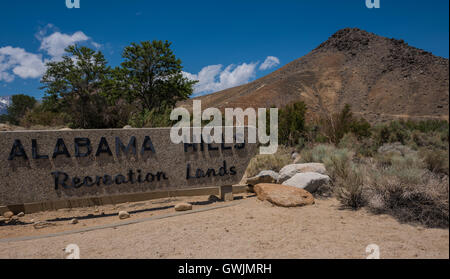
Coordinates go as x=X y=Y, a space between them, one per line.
x=248 y=229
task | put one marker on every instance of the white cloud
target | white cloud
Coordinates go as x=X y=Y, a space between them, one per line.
x=21 y=63
x=270 y=62
x=55 y=44
x=15 y=61
x=212 y=78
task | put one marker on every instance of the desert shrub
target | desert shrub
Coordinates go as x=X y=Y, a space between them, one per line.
x=400 y=185
x=117 y=115
x=420 y=133
x=349 y=187
x=347 y=177
x=40 y=117
x=269 y=161
x=151 y=119
x=20 y=105
x=426 y=126
x=339 y=163
x=334 y=158
x=365 y=147
x=423 y=200
x=431 y=139
x=348 y=141
x=335 y=126
x=436 y=160
x=392 y=132
x=291 y=124
x=316 y=154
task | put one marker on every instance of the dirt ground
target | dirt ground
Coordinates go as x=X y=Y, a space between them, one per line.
x=248 y=228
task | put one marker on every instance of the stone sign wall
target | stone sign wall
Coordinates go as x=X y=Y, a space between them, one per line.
x=39 y=166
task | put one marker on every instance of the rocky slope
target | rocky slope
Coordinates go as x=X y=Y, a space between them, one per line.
x=380 y=78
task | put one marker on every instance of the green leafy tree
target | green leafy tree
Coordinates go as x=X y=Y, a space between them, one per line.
x=20 y=104
x=75 y=86
x=151 y=77
x=291 y=124
x=335 y=126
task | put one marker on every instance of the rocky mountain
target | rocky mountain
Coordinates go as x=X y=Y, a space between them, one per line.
x=381 y=78
x=5 y=101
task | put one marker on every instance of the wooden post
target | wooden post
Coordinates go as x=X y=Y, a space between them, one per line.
x=226 y=193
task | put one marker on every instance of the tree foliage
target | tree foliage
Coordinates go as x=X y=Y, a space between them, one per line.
x=335 y=126
x=291 y=124
x=151 y=77
x=20 y=104
x=75 y=85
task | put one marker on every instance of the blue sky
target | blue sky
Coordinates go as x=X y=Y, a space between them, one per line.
x=222 y=43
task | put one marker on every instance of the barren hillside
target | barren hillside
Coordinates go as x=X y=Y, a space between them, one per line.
x=381 y=78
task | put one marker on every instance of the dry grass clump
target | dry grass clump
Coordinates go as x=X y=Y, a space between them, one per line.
x=397 y=183
x=424 y=200
x=269 y=162
x=349 y=190
x=436 y=160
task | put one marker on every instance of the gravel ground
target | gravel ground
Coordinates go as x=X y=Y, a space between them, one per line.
x=247 y=229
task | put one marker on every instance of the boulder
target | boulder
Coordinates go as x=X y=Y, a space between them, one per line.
x=265 y=176
x=127 y=127
x=124 y=215
x=74 y=221
x=8 y=214
x=183 y=206
x=310 y=181
x=21 y=214
x=282 y=195
x=290 y=170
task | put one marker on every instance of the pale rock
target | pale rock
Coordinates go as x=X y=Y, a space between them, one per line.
x=265 y=176
x=290 y=170
x=282 y=195
x=183 y=206
x=124 y=215
x=8 y=214
x=310 y=181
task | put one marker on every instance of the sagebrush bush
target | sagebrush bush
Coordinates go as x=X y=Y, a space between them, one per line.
x=436 y=160
x=424 y=201
x=395 y=181
x=269 y=161
x=40 y=117
x=365 y=147
x=349 y=187
x=339 y=163
x=316 y=154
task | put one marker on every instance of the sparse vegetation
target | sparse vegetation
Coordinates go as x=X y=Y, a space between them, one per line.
x=399 y=168
x=20 y=105
x=269 y=162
